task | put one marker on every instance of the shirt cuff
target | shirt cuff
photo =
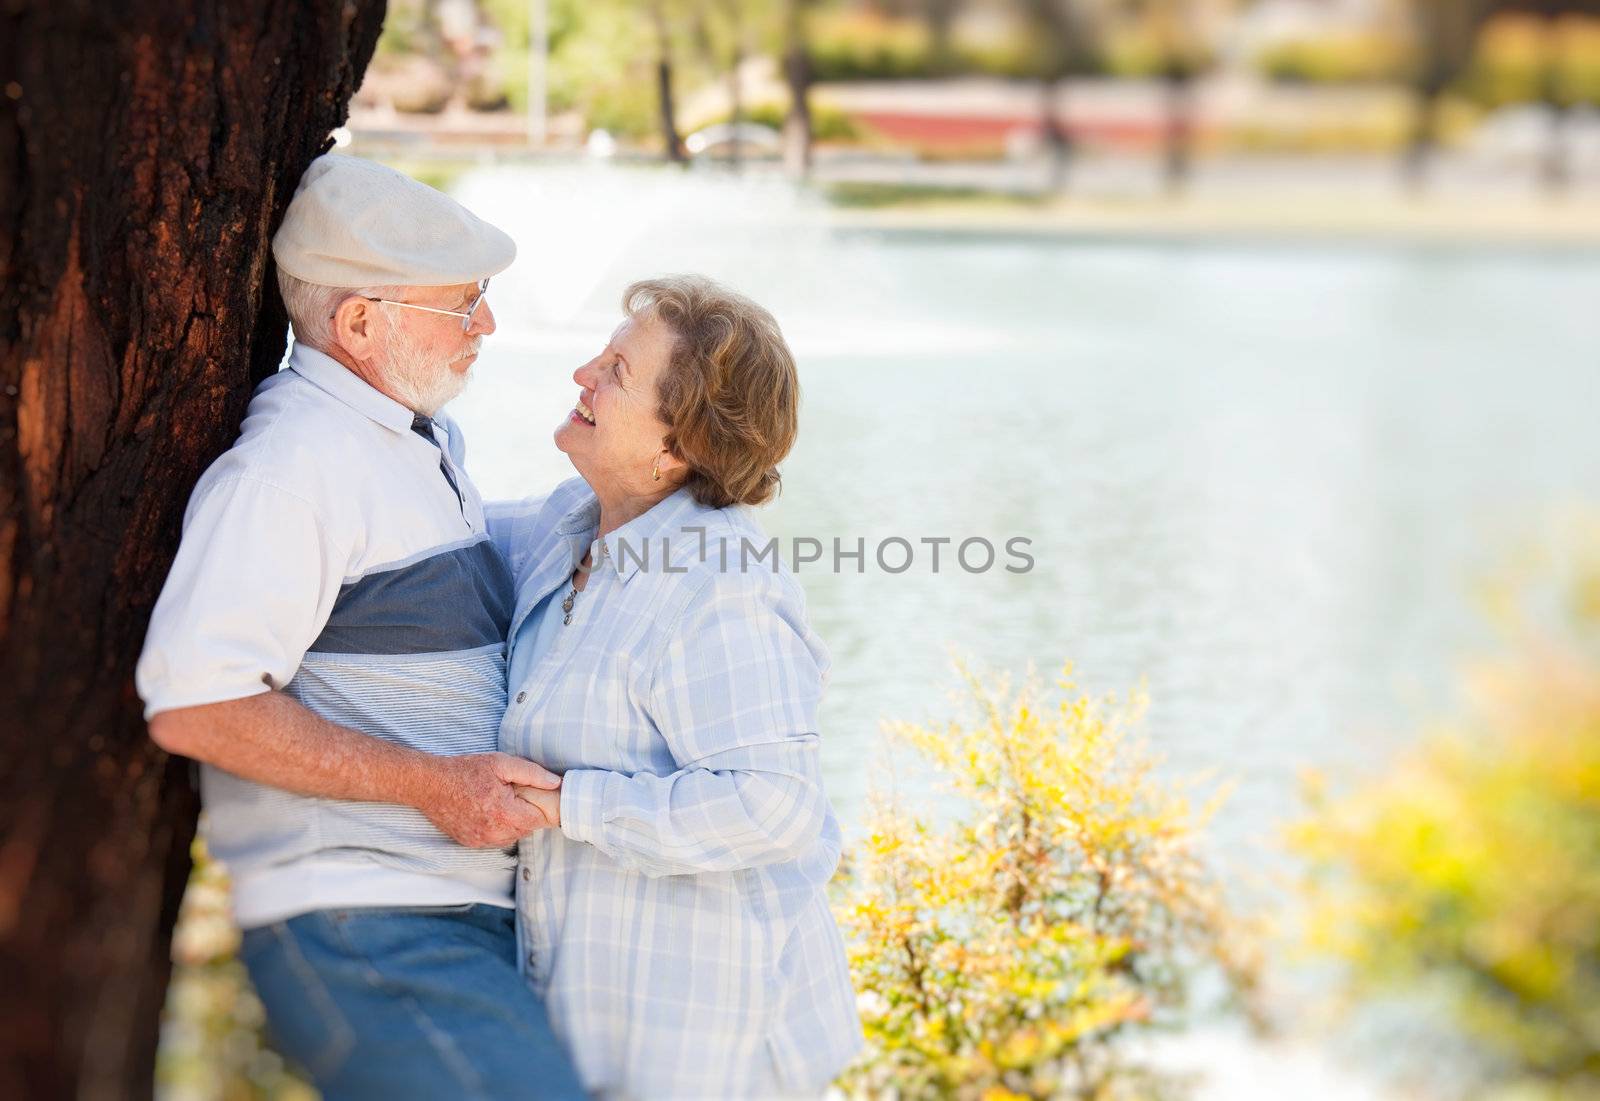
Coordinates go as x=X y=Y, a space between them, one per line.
x=583 y=799
x=162 y=698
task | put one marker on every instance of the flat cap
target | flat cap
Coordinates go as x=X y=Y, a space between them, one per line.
x=354 y=223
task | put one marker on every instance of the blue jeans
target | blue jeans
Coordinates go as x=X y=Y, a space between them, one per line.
x=416 y=1002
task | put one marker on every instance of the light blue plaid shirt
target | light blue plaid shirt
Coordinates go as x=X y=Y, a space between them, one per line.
x=678 y=923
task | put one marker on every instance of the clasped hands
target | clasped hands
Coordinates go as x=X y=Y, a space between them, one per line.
x=489 y=800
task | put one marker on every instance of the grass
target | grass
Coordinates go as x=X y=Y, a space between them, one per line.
x=867 y=195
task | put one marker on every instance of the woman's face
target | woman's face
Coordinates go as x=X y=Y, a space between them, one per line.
x=613 y=434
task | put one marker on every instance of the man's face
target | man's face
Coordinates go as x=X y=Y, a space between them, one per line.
x=426 y=358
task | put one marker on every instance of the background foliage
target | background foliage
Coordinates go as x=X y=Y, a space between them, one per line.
x=1011 y=947
x=1470 y=872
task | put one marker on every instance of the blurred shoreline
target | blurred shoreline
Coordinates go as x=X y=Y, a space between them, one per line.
x=1271 y=220
x=1347 y=200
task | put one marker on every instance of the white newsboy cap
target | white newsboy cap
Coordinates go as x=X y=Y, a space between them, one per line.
x=354 y=223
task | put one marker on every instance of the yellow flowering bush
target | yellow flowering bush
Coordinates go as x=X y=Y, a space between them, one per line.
x=213 y=1030
x=1469 y=874
x=1055 y=908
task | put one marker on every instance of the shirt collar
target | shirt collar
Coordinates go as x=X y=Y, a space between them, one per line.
x=669 y=531
x=669 y=528
x=333 y=377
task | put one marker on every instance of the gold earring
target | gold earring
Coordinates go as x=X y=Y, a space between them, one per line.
x=655 y=471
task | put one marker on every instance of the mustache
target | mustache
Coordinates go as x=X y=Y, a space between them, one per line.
x=472 y=349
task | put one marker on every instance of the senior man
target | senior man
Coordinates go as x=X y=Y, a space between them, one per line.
x=330 y=645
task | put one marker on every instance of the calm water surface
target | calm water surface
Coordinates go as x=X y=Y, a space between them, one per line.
x=1261 y=479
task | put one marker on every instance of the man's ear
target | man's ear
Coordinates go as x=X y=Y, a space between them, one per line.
x=353 y=327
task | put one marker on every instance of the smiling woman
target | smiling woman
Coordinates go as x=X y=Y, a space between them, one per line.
x=674 y=914
x=615 y=434
x=697 y=385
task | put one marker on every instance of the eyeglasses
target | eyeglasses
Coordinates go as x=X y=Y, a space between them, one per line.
x=465 y=315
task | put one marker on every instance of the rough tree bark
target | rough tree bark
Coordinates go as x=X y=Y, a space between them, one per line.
x=147 y=150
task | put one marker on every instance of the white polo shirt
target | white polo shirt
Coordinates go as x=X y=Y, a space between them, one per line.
x=328 y=555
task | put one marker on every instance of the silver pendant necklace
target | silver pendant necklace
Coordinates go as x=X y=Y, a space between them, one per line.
x=566 y=607
x=572 y=595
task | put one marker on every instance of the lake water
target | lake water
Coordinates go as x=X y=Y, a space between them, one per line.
x=1262 y=479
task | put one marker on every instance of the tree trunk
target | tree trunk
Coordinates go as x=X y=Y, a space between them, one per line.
x=1179 y=130
x=1445 y=33
x=735 y=92
x=1060 y=34
x=1423 y=140
x=1056 y=138
x=797 y=131
x=1555 y=172
x=147 y=151
x=941 y=18
x=671 y=139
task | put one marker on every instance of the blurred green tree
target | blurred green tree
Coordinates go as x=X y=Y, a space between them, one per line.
x=1471 y=870
x=1560 y=86
x=1443 y=34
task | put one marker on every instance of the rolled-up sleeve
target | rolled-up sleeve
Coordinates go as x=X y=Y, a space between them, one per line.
x=253 y=583
x=735 y=696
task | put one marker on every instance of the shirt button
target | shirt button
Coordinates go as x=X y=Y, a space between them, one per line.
x=521 y=696
x=533 y=960
x=527 y=874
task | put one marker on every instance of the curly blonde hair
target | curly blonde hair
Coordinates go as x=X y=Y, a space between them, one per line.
x=730 y=393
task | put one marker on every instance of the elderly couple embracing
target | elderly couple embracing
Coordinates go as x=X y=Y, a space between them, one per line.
x=508 y=813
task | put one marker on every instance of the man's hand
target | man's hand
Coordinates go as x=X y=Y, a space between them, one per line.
x=473 y=798
x=548 y=802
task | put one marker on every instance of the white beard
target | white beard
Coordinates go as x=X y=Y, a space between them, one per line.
x=419 y=378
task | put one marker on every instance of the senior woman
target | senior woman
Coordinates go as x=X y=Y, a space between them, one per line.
x=673 y=915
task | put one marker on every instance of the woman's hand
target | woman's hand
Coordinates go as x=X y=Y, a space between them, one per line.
x=548 y=803
x=473 y=798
